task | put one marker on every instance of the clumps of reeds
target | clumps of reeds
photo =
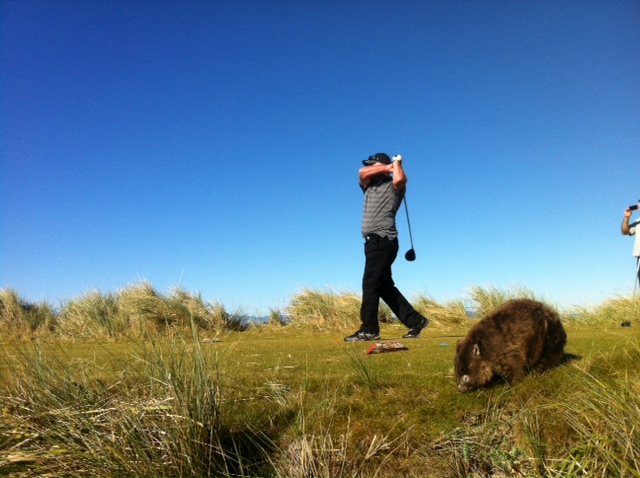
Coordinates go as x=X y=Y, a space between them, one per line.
x=160 y=415
x=138 y=310
x=22 y=319
x=315 y=448
x=451 y=314
x=91 y=316
x=329 y=310
x=458 y=312
x=277 y=319
x=603 y=412
x=323 y=454
x=484 y=446
x=364 y=370
x=162 y=411
x=607 y=422
x=143 y=306
x=615 y=311
x=487 y=299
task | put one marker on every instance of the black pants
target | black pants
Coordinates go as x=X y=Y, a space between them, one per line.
x=377 y=283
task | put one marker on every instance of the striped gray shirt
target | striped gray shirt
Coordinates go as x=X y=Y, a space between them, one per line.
x=381 y=202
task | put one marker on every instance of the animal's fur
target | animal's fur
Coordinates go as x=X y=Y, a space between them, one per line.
x=519 y=337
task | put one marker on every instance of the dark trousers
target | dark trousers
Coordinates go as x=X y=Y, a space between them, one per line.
x=377 y=283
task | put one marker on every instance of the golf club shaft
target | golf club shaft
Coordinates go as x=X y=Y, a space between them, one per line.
x=406 y=209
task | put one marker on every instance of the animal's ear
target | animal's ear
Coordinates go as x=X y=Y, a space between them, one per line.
x=476 y=350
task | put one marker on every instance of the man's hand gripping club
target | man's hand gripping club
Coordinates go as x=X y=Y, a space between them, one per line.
x=367 y=173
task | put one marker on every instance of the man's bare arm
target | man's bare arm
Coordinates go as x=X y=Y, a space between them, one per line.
x=625 y=222
x=365 y=174
x=399 y=178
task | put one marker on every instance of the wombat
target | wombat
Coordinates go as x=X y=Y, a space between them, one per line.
x=520 y=336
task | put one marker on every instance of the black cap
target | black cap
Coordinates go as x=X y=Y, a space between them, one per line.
x=377 y=158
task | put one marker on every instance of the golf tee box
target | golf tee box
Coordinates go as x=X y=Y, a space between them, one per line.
x=384 y=347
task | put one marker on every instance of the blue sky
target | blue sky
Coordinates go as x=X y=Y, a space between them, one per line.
x=214 y=145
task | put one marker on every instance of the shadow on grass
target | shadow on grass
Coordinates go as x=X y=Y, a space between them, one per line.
x=568 y=358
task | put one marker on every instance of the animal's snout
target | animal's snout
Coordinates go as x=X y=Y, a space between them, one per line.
x=463 y=383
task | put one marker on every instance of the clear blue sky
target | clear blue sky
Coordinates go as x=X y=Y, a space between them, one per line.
x=214 y=145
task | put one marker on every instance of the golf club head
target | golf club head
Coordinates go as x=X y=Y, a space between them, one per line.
x=410 y=255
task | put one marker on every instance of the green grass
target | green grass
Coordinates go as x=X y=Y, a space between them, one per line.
x=286 y=403
x=296 y=400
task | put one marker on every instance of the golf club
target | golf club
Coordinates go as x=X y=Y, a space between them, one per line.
x=411 y=254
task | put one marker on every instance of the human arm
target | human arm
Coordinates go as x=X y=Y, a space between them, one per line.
x=399 y=177
x=368 y=172
x=625 y=229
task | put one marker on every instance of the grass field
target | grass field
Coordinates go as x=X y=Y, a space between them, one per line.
x=296 y=400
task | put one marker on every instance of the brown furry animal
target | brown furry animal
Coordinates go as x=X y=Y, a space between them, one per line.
x=519 y=337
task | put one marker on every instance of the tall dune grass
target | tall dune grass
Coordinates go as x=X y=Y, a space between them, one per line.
x=329 y=310
x=94 y=315
x=605 y=415
x=160 y=415
x=341 y=311
x=613 y=311
x=451 y=314
x=22 y=319
x=487 y=299
x=139 y=310
x=142 y=304
x=135 y=311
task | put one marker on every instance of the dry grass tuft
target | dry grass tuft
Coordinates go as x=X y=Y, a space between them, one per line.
x=329 y=311
x=24 y=320
x=450 y=315
x=613 y=311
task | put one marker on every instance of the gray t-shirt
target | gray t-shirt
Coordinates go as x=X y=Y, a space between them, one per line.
x=381 y=202
x=632 y=231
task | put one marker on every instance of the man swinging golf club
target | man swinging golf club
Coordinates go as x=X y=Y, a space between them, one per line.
x=384 y=185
